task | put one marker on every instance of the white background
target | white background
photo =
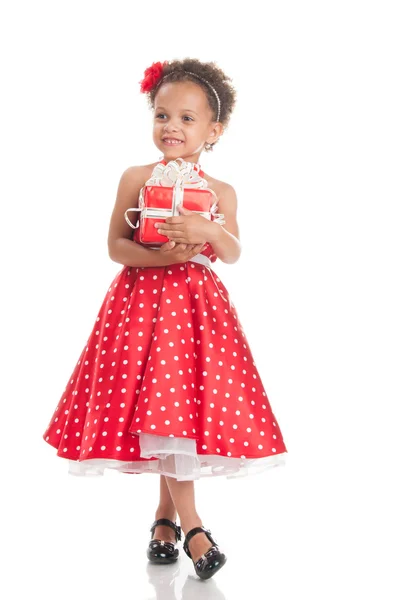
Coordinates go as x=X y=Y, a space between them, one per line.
x=312 y=153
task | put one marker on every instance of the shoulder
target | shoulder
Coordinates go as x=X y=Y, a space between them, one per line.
x=133 y=178
x=227 y=203
x=228 y=191
x=218 y=186
x=137 y=173
x=224 y=191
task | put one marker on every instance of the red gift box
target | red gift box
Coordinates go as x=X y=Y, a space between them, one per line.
x=157 y=202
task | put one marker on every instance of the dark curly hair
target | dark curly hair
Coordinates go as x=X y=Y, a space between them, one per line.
x=176 y=70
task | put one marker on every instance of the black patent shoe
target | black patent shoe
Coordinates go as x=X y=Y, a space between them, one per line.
x=159 y=551
x=211 y=561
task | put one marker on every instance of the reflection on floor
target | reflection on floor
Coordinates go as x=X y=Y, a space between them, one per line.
x=167 y=579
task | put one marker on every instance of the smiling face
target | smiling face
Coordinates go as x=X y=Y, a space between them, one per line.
x=182 y=113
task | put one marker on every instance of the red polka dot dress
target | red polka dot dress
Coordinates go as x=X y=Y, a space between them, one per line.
x=167 y=383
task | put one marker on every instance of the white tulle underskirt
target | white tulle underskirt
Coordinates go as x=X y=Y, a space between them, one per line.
x=177 y=457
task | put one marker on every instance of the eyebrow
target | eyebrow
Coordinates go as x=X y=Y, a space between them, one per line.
x=182 y=110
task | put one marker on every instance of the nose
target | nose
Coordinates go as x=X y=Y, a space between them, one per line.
x=170 y=126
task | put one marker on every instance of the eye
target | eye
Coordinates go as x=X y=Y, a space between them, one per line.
x=162 y=115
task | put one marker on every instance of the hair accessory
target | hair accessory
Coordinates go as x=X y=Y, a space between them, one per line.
x=212 y=88
x=153 y=76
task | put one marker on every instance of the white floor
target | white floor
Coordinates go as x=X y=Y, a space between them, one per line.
x=299 y=531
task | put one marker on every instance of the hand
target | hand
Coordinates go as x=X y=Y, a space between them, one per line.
x=179 y=253
x=190 y=228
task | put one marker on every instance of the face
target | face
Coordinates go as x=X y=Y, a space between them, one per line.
x=182 y=112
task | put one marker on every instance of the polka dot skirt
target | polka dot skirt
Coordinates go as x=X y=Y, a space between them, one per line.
x=166 y=383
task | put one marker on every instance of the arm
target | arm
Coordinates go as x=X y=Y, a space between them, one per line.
x=121 y=248
x=225 y=238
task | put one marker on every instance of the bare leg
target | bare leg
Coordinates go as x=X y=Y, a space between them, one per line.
x=165 y=510
x=183 y=495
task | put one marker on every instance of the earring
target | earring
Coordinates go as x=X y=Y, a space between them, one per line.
x=208 y=146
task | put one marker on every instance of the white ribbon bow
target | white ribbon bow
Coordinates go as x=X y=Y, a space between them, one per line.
x=168 y=175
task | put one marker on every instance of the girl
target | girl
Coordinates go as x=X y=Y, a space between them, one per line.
x=166 y=382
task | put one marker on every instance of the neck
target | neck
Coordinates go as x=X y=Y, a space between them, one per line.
x=193 y=158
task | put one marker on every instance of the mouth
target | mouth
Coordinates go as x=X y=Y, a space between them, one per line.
x=172 y=141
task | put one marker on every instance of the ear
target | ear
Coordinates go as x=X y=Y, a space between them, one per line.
x=216 y=131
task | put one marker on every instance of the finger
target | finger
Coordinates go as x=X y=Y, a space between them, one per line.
x=174 y=220
x=181 y=240
x=196 y=249
x=167 y=246
x=170 y=232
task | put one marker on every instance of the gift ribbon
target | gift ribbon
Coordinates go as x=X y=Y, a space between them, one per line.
x=177 y=170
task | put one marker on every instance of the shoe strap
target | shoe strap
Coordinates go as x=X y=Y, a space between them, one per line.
x=177 y=528
x=193 y=532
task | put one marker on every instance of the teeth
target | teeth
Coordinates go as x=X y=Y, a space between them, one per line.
x=173 y=141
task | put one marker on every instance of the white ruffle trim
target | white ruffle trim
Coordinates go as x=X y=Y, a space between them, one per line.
x=177 y=457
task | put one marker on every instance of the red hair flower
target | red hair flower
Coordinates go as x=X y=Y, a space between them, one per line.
x=152 y=75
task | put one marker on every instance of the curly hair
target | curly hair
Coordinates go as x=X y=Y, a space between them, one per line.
x=176 y=70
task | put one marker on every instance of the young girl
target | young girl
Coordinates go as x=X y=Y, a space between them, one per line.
x=166 y=382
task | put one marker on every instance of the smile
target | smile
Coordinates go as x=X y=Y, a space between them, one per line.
x=172 y=142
